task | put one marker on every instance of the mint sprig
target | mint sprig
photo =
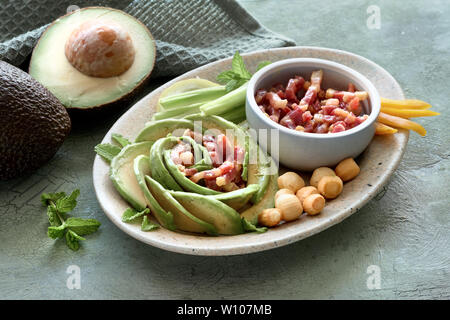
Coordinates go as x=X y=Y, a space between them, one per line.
x=239 y=74
x=108 y=151
x=73 y=228
x=130 y=215
x=121 y=140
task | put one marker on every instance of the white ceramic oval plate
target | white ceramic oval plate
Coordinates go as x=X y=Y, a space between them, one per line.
x=377 y=163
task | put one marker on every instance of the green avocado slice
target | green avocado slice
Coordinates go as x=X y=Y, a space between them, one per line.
x=258 y=172
x=183 y=219
x=123 y=177
x=159 y=170
x=160 y=129
x=266 y=201
x=238 y=198
x=199 y=151
x=226 y=220
x=184 y=182
x=141 y=169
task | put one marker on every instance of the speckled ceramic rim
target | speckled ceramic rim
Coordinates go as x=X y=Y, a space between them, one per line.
x=275 y=67
x=335 y=212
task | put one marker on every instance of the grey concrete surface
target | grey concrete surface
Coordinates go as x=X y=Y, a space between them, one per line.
x=404 y=232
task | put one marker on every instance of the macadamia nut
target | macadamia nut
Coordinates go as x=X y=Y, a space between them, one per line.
x=347 y=169
x=313 y=204
x=290 y=180
x=283 y=191
x=330 y=186
x=270 y=217
x=290 y=207
x=305 y=192
x=319 y=173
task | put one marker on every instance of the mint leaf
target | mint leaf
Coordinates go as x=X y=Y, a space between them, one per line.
x=262 y=64
x=46 y=198
x=238 y=66
x=107 y=151
x=58 y=204
x=120 y=139
x=72 y=240
x=238 y=75
x=147 y=225
x=250 y=227
x=131 y=214
x=67 y=204
x=231 y=85
x=56 y=232
x=226 y=76
x=82 y=226
x=52 y=215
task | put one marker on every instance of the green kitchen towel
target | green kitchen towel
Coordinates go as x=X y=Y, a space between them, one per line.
x=188 y=33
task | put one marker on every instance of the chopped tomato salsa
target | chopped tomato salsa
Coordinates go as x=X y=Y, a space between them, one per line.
x=304 y=106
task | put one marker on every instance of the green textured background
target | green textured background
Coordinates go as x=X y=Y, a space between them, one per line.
x=405 y=232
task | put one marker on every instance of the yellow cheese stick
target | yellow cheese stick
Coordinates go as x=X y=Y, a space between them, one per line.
x=405 y=104
x=409 y=113
x=382 y=129
x=401 y=123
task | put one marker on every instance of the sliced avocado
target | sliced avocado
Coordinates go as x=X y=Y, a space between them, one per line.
x=159 y=170
x=141 y=169
x=257 y=172
x=123 y=177
x=33 y=123
x=77 y=89
x=224 y=218
x=266 y=201
x=183 y=219
x=238 y=198
x=185 y=86
x=213 y=122
x=161 y=128
x=184 y=182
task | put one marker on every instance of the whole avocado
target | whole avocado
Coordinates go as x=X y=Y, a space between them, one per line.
x=33 y=123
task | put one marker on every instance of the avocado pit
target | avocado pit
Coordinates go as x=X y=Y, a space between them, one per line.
x=100 y=49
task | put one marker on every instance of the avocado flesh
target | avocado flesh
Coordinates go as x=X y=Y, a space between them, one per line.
x=226 y=220
x=178 y=182
x=141 y=169
x=192 y=211
x=266 y=201
x=160 y=129
x=238 y=198
x=183 y=219
x=33 y=123
x=184 y=182
x=74 y=89
x=159 y=169
x=123 y=176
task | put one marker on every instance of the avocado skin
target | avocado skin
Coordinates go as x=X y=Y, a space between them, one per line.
x=33 y=123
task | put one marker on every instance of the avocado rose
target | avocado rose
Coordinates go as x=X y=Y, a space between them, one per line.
x=200 y=174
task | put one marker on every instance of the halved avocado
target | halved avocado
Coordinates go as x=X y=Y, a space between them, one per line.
x=224 y=218
x=81 y=90
x=123 y=177
x=183 y=219
x=141 y=169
